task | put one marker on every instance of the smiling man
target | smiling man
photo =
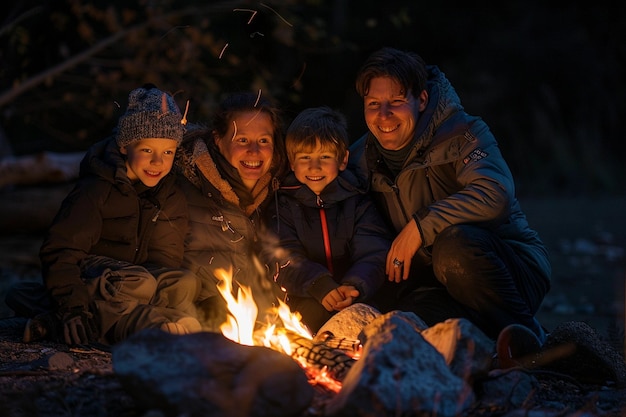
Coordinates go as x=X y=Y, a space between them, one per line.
x=462 y=246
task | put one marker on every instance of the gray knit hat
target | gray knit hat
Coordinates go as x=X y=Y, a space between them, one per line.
x=151 y=113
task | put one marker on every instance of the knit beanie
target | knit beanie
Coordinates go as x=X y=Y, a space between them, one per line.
x=151 y=113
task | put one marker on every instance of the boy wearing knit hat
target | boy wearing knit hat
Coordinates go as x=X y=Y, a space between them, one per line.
x=111 y=258
x=150 y=127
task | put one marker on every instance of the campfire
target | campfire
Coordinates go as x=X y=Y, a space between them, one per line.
x=252 y=368
x=279 y=369
x=325 y=359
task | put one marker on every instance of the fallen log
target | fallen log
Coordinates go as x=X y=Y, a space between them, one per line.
x=40 y=168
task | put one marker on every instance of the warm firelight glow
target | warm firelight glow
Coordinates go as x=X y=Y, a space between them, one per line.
x=241 y=321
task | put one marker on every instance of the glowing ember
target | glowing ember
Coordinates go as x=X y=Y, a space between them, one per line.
x=320 y=377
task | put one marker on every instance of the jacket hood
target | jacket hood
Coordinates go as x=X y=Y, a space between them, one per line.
x=443 y=102
x=186 y=157
x=104 y=160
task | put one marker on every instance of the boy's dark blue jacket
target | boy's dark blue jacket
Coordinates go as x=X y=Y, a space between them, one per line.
x=359 y=239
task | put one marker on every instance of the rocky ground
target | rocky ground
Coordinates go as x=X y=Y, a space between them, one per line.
x=50 y=380
x=586 y=239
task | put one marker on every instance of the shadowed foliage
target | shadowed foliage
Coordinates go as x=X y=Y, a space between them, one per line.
x=548 y=80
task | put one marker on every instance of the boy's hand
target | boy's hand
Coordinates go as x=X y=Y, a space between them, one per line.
x=340 y=298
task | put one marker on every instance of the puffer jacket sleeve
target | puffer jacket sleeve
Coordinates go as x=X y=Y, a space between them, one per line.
x=485 y=187
x=369 y=246
x=75 y=229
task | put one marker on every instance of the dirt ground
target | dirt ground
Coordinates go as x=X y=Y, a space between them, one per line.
x=586 y=239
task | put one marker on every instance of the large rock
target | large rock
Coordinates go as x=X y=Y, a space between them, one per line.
x=466 y=349
x=576 y=349
x=400 y=374
x=205 y=375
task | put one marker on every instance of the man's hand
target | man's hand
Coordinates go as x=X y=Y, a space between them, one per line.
x=340 y=298
x=78 y=327
x=404 y=246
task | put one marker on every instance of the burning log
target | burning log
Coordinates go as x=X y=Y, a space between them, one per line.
x=321 y=357
x=352 y=348
x=324 y=360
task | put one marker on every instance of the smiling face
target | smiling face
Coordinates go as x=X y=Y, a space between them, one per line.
x=249 y=145
x=316 y=168
x=390 y=114
x=149 y=160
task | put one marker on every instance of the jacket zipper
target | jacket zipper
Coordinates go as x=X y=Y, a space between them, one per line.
x=324 y=225
x=396 y=191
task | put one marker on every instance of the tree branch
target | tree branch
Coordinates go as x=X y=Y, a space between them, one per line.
x=9 y=95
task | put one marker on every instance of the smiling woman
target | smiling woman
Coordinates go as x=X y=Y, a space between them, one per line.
x=248 y=145
x=230 y=170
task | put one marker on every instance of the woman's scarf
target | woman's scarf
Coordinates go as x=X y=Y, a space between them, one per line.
x=225 y=178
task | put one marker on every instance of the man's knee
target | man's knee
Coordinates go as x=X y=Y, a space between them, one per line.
x=454 y=239
x=454 y=254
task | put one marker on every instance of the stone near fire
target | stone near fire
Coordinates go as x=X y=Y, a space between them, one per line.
x=467 y=350
x=400 y=373
x=205 y=374
x=350 y=321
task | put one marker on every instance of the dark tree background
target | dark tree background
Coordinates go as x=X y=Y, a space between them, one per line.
x=550 y=80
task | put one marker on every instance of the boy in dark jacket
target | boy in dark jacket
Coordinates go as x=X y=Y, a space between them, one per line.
x=332 y=242
x=111 y=258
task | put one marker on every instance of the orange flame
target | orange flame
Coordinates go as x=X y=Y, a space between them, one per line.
x=240 y=327
x=243 y=310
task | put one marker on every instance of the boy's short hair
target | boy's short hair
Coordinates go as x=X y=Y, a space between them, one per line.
x=322 y=124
